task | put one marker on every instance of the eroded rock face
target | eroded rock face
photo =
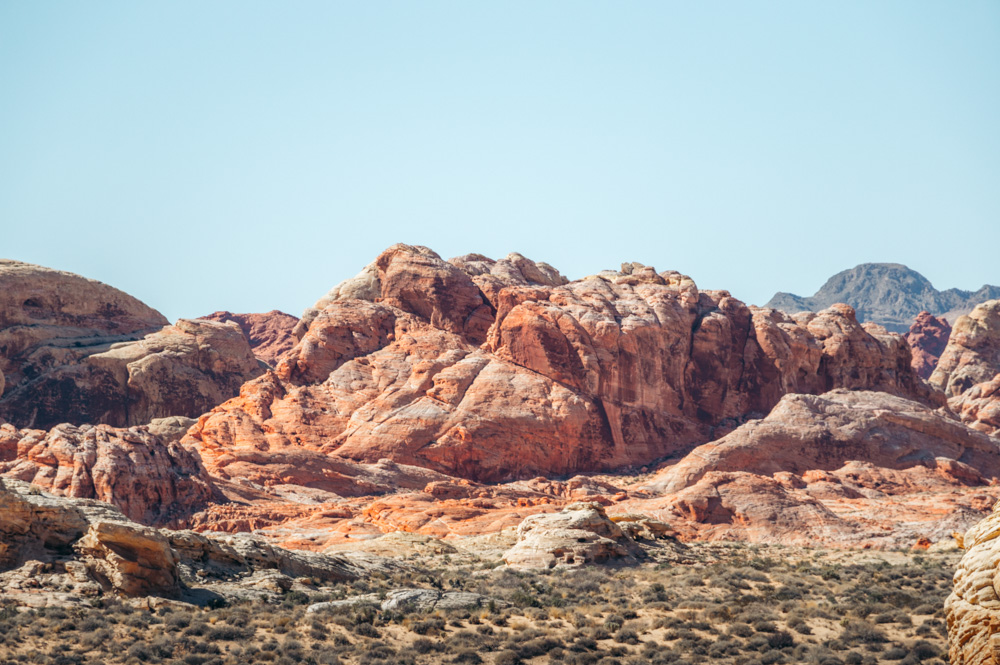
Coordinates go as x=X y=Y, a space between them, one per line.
x=49 y=321
x=182 y=370
x=143 y=470
x=928 y=337
x=92 y=548
x=579 y=534
x=497 y=370
x=969 y=369
x=979 y=406
x=974 y=605
x=825 y=432
x=269 y=334
x=973 y=352
x=73 y=350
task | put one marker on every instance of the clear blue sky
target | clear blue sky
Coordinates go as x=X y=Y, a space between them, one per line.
x=249 y=155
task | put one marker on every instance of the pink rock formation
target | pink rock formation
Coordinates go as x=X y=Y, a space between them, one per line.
x=927 y=338
x=825 y=432
x=414 y=362
x=49 y=322
x=979 y=406
x=142 y=470
x=269 y=334
x=973 y=352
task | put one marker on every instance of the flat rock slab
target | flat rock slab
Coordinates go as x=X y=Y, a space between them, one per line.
x=410 y=600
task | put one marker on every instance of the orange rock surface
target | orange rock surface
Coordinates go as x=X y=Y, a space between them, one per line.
x=928 y=337
x=143 y=470
x=269 y=334
x=612 y=371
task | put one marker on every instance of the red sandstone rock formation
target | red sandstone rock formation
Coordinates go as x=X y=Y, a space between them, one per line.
x=973 y=352
x=78 y=351
x=269 y=334
x=969 y=369
x=927 y=338
x=979 y=406
x=142 y=470
x=49 y=322
x=825 y=432
x=413 y=361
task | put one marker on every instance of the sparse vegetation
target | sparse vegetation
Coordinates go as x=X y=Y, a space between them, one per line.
x=740 y=605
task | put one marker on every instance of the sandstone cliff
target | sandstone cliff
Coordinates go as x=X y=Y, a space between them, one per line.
x=73 y=350
x=928 y=337
x=969 y=369
x=825 y=432
x=143 y=470
x=269 y=334
x=49 y=322
x=494 y=370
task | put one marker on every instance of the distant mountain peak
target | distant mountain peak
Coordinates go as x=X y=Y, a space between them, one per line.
x=890 y=294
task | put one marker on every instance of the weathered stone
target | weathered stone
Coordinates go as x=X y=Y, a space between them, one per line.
x=269 y=334
x=49 y=321
x=973 y=352
x=580 y=534
x=142 y=470
x=928 y=337
x=825 y=432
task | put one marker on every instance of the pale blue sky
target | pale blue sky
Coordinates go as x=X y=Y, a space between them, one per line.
x=249 y=155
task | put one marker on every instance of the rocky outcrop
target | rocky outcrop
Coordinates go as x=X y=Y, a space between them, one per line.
x=416 y=361
x=889 y=294
x=143 y=470
x=825 y=432
x=979 y=406
x=50 y=544
x=181 y=370
x=581 y=533
x=49 y=322
x=928 y=337
x=269 y=334
x=973 y=352
x=969 y=369
x=973 y=608
x=73 y=350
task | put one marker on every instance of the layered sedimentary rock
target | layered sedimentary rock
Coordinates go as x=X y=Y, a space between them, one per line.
x=889 y=294
x=969 y=369
x=973 y=352
x=928 y=337
x=182 y=370
x=974 y=605
x=269 y=334
x=825 y=432
x=495 y=370
x=143 y=470
x=50 y=545
x=78 y=351
x=49 y=321
x=979 y=406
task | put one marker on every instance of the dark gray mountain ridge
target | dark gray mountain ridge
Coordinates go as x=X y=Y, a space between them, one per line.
x=889 y=294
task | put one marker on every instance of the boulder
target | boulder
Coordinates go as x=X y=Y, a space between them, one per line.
x=973 y=608
x=580 y=534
